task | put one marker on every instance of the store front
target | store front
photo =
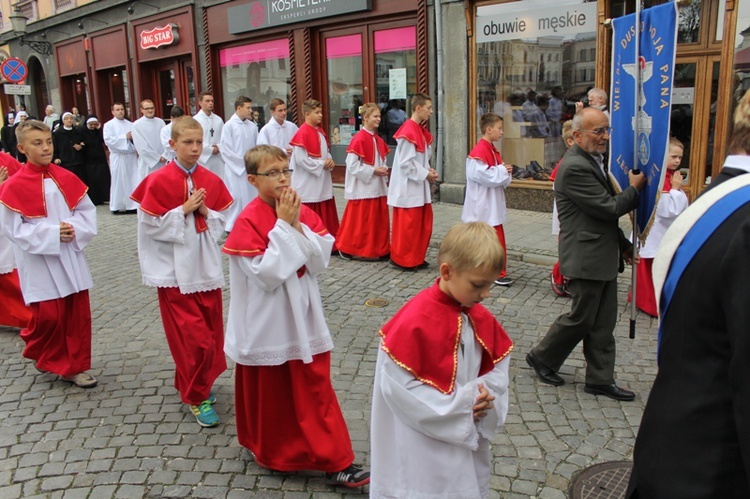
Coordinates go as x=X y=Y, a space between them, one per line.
x=72 y=68
x=110 y=71
x=341 y=52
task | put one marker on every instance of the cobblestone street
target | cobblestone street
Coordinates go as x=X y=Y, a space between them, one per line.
x=130 y=437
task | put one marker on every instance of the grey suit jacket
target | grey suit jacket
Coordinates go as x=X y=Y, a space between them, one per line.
x=591 y=241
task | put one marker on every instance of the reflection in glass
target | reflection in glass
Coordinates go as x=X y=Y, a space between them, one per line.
x=708 y=160
x=344 y=55
x=688 y=27
x=683 y=103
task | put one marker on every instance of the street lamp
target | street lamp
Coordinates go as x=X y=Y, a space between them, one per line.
x=18 y=21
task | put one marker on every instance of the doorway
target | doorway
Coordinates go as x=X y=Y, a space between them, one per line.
x=113 y=86
x=170 y=84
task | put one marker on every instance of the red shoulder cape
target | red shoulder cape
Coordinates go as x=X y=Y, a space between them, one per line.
x=307 y=138
x=249 y=236
x=167 y=188
x=414 y=133
x=424 y=338
x=362 y=145
x=24 y=191
x=9 y=162
x=486 y=152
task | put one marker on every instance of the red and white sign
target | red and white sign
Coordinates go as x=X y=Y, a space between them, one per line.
x=159 y=36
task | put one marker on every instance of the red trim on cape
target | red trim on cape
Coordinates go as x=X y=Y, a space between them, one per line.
x=486 y=152
x=424 y=338
x=24 y=191
x=167 y=188
x=362 y=145
x=308 y=139
x=414 y=133
x=249 y=236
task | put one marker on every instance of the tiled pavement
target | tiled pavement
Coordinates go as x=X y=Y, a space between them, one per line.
x=130 y=437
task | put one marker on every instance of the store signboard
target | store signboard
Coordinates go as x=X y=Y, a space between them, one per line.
x=557 y=20
x=260 y=14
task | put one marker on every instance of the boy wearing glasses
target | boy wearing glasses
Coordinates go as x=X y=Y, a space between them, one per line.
x=277 y=333
x=179 y=224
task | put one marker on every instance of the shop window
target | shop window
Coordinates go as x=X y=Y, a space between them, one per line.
x=688 y=27
x=741 y=67
x=259 y=71
x=533 y=98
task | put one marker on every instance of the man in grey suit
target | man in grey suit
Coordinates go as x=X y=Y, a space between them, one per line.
x=592 y=248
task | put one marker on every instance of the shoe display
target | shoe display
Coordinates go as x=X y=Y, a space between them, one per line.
x=205 y=414
x=558 y=289
x=612 y=391
x=81 y=380
x=353 y=476
x=543 y=372
x=504 y=281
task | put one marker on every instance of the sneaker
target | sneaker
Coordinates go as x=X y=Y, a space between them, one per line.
x=353 y=476
x=211 y=398
x=558 y=289
x=205 y=414
x=81 y=380
x=504 y=281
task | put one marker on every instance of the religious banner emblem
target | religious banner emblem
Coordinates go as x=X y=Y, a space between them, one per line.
x=648 y=127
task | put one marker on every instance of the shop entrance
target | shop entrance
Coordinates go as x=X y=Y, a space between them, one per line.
x=374 y=63
x=113 y=87
x=170 y=84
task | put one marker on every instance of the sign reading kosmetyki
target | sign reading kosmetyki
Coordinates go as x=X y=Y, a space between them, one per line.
x=260 y=14
x=548 y=21
x=160 y=35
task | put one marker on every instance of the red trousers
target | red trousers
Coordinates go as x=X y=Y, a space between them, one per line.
x=58 y=336
x=410 y=237
x=326 y=210
x=194 y=326
x=645 y=296
x=365 y=228
x=501 y=237
x=289 y=417
x=13 y=310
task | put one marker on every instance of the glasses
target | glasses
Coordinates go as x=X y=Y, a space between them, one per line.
x=275 y=174
x=600 y=131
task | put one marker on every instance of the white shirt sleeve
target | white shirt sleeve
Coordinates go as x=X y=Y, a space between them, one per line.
x=358 y=168
x=300 y=159
x=408 y=162
x=478 y=172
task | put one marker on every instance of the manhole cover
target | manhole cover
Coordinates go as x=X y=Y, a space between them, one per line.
x=601 y=481
x=376 y=303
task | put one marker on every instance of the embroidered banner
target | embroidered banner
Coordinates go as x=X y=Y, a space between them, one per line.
x=658 y=43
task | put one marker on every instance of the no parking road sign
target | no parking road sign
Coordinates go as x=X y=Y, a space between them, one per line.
x=14 y=70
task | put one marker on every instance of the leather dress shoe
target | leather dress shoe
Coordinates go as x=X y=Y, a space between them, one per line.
x=612 y=391
x=544 y=373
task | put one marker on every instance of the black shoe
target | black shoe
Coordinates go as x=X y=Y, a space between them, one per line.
x=131 y=212
x=353 y=476
x=504 y=281
x=423 y=265
x=345 y=256
x=401 y=267
x=612 y=391
x=544 y=373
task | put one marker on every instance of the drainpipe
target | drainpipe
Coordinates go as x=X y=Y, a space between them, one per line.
x=440 y=90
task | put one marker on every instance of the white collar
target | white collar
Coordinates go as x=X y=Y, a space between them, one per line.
x=741 y=162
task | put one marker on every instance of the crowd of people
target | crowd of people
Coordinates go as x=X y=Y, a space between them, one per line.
x=199 y=179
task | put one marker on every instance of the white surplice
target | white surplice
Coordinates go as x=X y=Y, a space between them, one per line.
x=212 y=126
x=123 y=163
x=409 y=187
x=7 y=260
x=361 y=181
x=424 y=443
x=485 y=193
x=670 y=205
x=48 y=268
x=312 y=182
x=165 y=135
x=274 y=315
x=147 y=141
x=172 y=254
x=237 y=137
x=276 y=134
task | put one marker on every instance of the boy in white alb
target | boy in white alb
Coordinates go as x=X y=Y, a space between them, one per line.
x=123 y=160
x=441 y=379
x=179 y=224
x=486 y=180
x=287 y=412
x=238 y=137
x=278 y=131
x=409 y=189
x=365 y=230
x=312 y=164
x=147 y=140
x=212 y=126
x=45 y=211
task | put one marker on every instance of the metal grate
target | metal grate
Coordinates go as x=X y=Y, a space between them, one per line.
x=601 y=481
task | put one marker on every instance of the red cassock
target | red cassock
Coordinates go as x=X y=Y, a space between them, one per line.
x=58 y=334
x=365 y=225
x=193 y=322
x=13 y=310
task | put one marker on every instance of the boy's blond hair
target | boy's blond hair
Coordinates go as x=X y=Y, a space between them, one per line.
x=472 y=245
x=260 y=155
x=487 y=120
x=368 y=108
x=311 y=105
x=675 y=142
x=567 y=131
x=24 y=127
x=184 y=123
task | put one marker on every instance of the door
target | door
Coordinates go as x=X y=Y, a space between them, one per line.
x=174 y=84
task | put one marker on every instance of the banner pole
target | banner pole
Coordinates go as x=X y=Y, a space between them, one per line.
x=636 y=170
